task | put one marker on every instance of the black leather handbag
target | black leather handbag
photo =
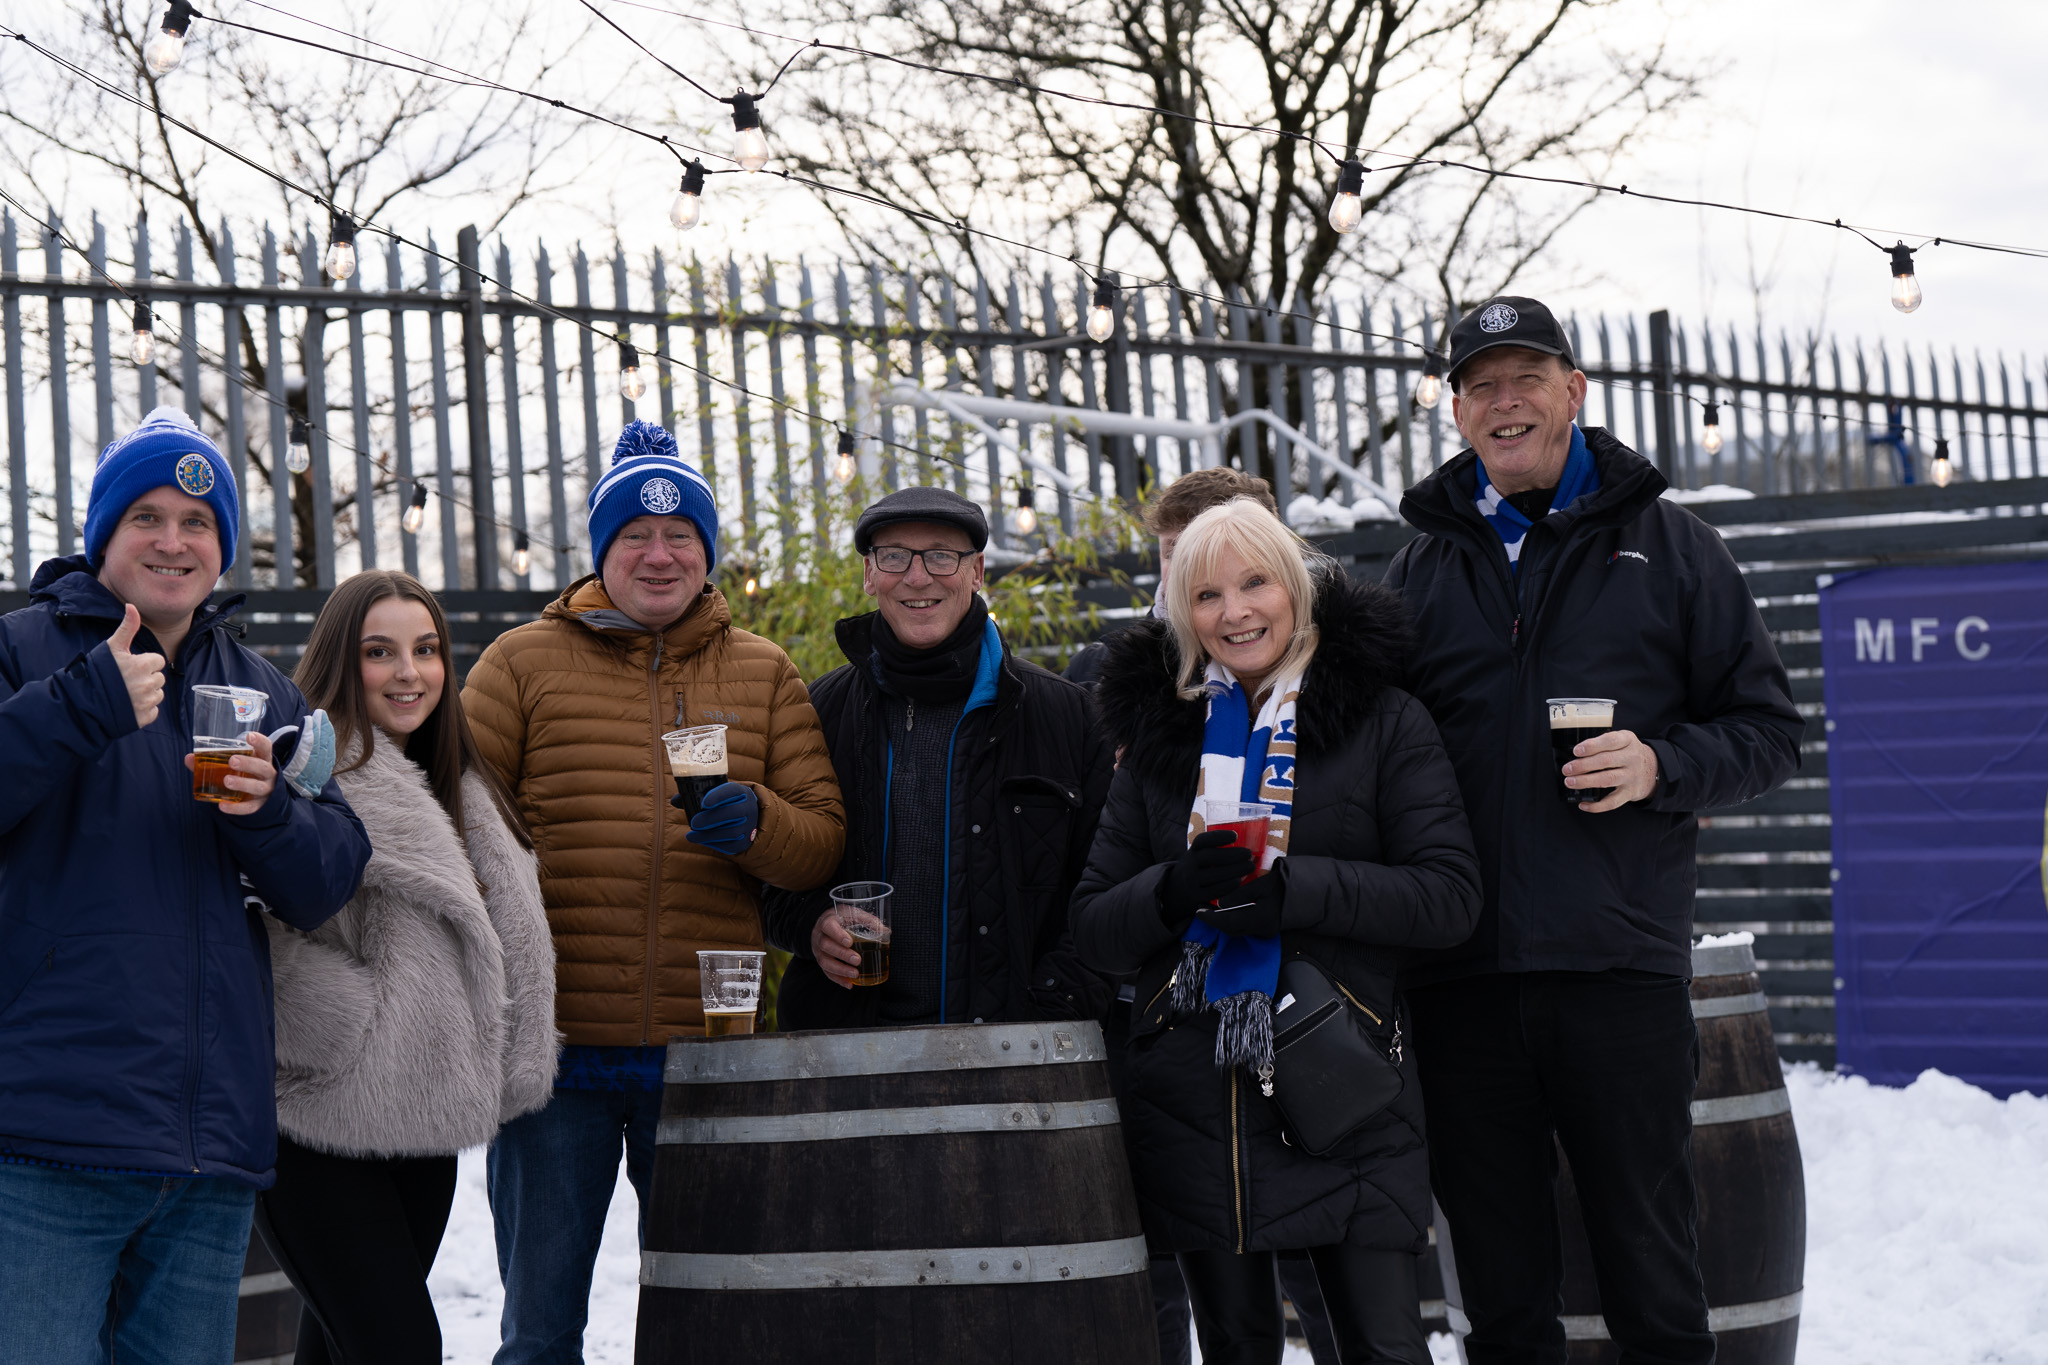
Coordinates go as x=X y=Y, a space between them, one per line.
x=1330 y=1077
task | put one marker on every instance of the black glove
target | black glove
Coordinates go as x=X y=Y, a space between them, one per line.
x=1252 y=909
x=1210 y=868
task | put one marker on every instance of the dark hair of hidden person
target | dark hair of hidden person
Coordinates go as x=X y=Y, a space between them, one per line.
x=330 y=676
x=1368 y=861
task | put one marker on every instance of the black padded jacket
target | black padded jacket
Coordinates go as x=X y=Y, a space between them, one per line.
x=1029 y=774
x=1379 y=865
x=1626 y=595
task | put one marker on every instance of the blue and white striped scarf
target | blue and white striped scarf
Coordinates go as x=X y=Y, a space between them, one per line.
x=1580 y=478
x=1243 y=759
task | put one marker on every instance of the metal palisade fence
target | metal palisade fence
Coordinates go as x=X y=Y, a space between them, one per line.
x=494 y=383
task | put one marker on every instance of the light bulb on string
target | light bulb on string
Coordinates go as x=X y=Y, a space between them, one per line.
x=1026 y=520
x=142 y=348
x=415 y=511
x=166 y=48
x=1345 y=206
x=522 y=554
x=686 y=210
x=1430 y=391
x=1102 y=315
x=631 y=385
x=753 y=585
x=341 y=245
x=298 y=452
x=844 y=466
x=1941 y=471
x=750 y=144
x=1710 y=438
x=1905 y=284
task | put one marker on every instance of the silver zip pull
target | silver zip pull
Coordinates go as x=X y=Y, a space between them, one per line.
x=909 y=715
x=1266 y=1079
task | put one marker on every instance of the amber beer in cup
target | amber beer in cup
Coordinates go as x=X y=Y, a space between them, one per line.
x=730 y=986
x=222 y=718
x=862 y=908
x=696 y=759
x=1573 y=721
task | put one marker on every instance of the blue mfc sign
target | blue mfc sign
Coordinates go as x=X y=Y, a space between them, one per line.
x=1937 y=695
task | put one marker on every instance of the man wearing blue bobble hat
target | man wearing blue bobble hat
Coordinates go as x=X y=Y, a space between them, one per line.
x=571 y=710
x=136 y=1101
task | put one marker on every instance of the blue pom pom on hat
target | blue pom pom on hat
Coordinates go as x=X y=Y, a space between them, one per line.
x=166 y=450
x=648 y=477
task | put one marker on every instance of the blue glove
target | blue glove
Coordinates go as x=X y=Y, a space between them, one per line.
x=730 y=819
x=308 y=763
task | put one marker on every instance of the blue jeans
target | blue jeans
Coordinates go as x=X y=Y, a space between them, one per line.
x=142 y=1269
x=551 y=1175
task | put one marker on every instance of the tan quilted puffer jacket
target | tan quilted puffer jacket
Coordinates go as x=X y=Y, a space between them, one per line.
x=571 y=709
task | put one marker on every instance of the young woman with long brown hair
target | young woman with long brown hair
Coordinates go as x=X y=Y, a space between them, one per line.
x=421 y=1017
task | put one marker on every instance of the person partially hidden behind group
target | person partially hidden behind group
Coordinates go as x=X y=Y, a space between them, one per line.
x=419 y=1018
x=1272 y=682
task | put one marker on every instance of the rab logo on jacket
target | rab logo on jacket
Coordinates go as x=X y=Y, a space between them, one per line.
x=1628 y=554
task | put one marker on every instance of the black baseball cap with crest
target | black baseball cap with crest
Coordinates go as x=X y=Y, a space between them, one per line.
x=1507 y=320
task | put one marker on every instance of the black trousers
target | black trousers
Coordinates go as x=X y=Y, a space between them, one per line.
x=1369 y=1296
x=357 y=1235
x=1606 y=1061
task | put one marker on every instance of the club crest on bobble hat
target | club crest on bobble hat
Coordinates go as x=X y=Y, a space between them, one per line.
x=166 y=450
x=648 y=477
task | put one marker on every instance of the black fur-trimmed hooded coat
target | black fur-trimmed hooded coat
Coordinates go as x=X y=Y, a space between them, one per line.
x=1380 y=865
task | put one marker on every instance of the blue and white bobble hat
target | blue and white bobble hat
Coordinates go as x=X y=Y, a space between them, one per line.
x=648 y=476
x=167 y=450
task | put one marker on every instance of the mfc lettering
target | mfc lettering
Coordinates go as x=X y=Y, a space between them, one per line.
x=1877 y=642
x=1875 y=646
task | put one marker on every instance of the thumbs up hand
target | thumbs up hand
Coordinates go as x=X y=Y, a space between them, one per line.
x=144 y=673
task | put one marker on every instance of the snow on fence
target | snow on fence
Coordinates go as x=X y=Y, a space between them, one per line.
x=381 y=373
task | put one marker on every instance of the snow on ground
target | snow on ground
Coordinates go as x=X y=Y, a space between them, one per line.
x=1927 y=1231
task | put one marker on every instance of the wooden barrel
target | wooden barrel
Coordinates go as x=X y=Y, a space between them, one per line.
x=1752 y=1187
x=267 y=1325
x=954 y=1194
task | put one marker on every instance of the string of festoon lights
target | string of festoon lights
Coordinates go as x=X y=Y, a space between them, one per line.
x=165 y=49
x=142 y=349
x=339 y=262
x=1344 y=214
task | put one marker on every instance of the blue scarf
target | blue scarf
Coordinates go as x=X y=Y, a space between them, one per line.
x=1243 y=759
x=1580 y=477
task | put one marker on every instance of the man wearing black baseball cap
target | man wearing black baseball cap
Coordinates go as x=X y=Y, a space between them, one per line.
x=1549 y=567
x=980 y=821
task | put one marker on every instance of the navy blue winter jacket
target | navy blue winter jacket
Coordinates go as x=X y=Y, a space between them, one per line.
x=135 y=1005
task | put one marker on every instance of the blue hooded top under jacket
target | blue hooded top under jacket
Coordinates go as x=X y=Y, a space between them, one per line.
x=135 y=1005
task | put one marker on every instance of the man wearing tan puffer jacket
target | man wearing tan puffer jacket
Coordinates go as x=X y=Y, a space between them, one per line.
x=571 y=709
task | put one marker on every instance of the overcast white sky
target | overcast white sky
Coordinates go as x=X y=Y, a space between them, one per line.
x=1916 y=117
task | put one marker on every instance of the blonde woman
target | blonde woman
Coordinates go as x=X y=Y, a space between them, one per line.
x=1272 y=682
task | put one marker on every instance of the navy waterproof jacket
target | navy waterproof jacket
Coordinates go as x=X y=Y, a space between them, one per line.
x=135 y=1005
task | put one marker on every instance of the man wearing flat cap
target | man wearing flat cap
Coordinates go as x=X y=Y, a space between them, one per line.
x=1549 y=568
x=972 y=782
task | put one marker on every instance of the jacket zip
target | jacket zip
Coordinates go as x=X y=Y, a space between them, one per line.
x=660 y=845
x=196 y=1002
x=1236 y=1168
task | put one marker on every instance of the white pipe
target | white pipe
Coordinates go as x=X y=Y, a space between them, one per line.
x=1329 y=461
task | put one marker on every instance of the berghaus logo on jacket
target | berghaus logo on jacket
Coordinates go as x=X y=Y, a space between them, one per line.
x=1628 y=554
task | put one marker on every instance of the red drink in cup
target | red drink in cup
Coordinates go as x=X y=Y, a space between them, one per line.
x=1248 y=820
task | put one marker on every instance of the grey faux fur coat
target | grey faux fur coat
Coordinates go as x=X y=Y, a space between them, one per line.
x=422 y=1016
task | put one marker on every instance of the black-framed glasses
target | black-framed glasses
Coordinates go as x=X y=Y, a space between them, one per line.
x=937 y=563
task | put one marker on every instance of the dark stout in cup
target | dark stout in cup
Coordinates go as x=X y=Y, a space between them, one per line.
x=695 y=785
x=1573 y=721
